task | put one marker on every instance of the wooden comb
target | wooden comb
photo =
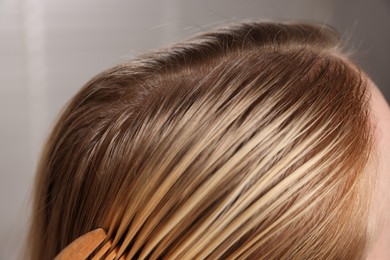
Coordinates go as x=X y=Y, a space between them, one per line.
x=92 y=246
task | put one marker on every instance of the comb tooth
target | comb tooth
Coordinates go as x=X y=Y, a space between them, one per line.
x=83 y=246
x=105 y=253
x=102 y=251
x=99 y=255
x=112 y=255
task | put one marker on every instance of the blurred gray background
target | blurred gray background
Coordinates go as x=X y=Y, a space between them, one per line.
x=50 y=48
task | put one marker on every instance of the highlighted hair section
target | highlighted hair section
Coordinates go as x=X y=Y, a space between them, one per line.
x=250 y=141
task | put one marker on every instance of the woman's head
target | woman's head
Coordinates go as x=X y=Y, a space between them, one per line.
x=250 y=140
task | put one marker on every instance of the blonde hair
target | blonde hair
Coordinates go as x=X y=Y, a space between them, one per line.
x=248 y=141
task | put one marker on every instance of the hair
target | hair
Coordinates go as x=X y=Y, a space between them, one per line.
x=251 y=140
